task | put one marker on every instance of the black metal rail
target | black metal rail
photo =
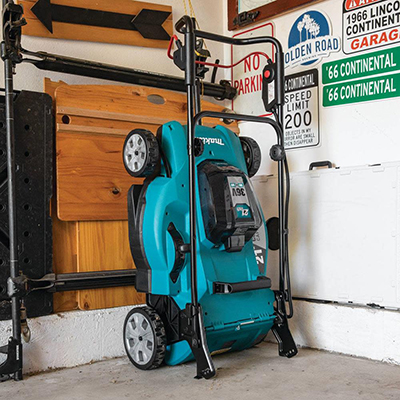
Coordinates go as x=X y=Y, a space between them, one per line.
x=73 y=66
x=21 y=285
x=193 y=312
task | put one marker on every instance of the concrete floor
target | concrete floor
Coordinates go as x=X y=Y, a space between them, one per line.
x=257 y=372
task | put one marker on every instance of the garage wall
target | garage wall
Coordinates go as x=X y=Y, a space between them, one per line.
x=343 y=229
x=350 y=135
x=150 y=59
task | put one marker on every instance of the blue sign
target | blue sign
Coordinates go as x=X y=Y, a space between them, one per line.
x=310 y=39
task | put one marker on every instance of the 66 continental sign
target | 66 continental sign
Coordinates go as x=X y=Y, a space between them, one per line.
x=368 y=24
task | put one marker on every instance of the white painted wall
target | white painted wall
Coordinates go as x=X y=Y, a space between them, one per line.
x=351 y=135
x=72 y=338
x=80 y=337
x=149 y=59
x=347 y=329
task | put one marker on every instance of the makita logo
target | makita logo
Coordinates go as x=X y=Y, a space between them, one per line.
x=212 y=141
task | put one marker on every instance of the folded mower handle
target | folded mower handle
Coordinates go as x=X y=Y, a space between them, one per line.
x=186 y=25
x=184 y=21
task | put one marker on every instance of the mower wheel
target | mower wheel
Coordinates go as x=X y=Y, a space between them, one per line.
x=141 y=153
x=144 y=338
x=252 y=154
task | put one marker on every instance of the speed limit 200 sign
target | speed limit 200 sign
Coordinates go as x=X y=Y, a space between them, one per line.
x=301 y=118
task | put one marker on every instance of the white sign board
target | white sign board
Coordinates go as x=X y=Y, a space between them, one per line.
x=247 y=76
x=301 y=110
x=370 y=24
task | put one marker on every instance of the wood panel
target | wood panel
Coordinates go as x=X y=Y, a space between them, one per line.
x=65 y=260
x=70 y=31
x=105 y=246
x=129 y=103
x=92 y=123
x=65 y=238
x=80 y=246
x=92 y=181
x=90 y=231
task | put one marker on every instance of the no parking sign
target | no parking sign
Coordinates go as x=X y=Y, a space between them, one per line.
x=247 y=76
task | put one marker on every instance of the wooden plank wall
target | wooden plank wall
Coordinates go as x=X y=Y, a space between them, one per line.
x=90 y=211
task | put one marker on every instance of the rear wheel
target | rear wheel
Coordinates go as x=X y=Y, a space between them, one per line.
x=144 y=338
x=252 y=155
x=141 y=153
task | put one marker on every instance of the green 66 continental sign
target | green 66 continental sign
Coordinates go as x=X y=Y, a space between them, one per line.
x=342 y=83
x=362 y=90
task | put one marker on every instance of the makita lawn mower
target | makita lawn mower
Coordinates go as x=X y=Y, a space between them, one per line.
x=197 y=232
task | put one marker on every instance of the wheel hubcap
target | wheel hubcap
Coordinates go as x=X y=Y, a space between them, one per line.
x=139 y=338
x=135 y=153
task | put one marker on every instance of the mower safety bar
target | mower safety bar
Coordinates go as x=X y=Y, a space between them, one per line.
x=241 y=117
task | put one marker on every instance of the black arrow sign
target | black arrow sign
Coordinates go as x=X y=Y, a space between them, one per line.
x=148 y=22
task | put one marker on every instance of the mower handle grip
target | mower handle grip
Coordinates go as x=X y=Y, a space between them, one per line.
x=184 y=21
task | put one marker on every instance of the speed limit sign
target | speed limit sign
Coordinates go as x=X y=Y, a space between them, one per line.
x=301 y=116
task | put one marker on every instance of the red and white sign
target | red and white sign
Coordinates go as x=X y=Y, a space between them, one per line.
x=352 y=4
x=247 y=76
x=370 y=24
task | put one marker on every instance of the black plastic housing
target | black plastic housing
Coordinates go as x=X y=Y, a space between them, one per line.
x=222 y=224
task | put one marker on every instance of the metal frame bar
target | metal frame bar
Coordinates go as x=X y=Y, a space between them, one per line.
x=74 y=66
x=287 y=346
x=186 y=26
x=22 y=285
x=7 y=55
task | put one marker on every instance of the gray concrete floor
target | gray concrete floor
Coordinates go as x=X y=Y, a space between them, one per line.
x=257 y=373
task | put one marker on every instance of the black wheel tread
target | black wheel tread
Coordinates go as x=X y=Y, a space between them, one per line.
x=252 y=153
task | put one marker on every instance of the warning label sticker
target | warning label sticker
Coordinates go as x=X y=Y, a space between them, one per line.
x=301 y=110
x=368 y=24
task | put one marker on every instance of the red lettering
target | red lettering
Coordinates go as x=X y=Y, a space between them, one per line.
x=393 y=34
x=246 y=85
x=374 y=39
x=383 y=38
x=256 y=62
x=247 y=65
x=253 y=84
x=240 y=87
x=364 y=42
x=355 y=44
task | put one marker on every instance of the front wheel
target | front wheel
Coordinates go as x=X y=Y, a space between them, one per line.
x=252 y=154
x=144 y=338
x=141 y=153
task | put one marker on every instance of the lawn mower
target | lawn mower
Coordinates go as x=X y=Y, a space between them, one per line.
x=197 y=232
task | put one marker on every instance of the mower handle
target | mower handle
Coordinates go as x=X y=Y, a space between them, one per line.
x=242 y=117
x=186 y=25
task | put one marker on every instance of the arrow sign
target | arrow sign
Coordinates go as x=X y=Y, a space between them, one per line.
x=148 y=22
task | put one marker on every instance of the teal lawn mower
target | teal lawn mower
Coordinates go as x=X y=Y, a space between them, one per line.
x=197 y=232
